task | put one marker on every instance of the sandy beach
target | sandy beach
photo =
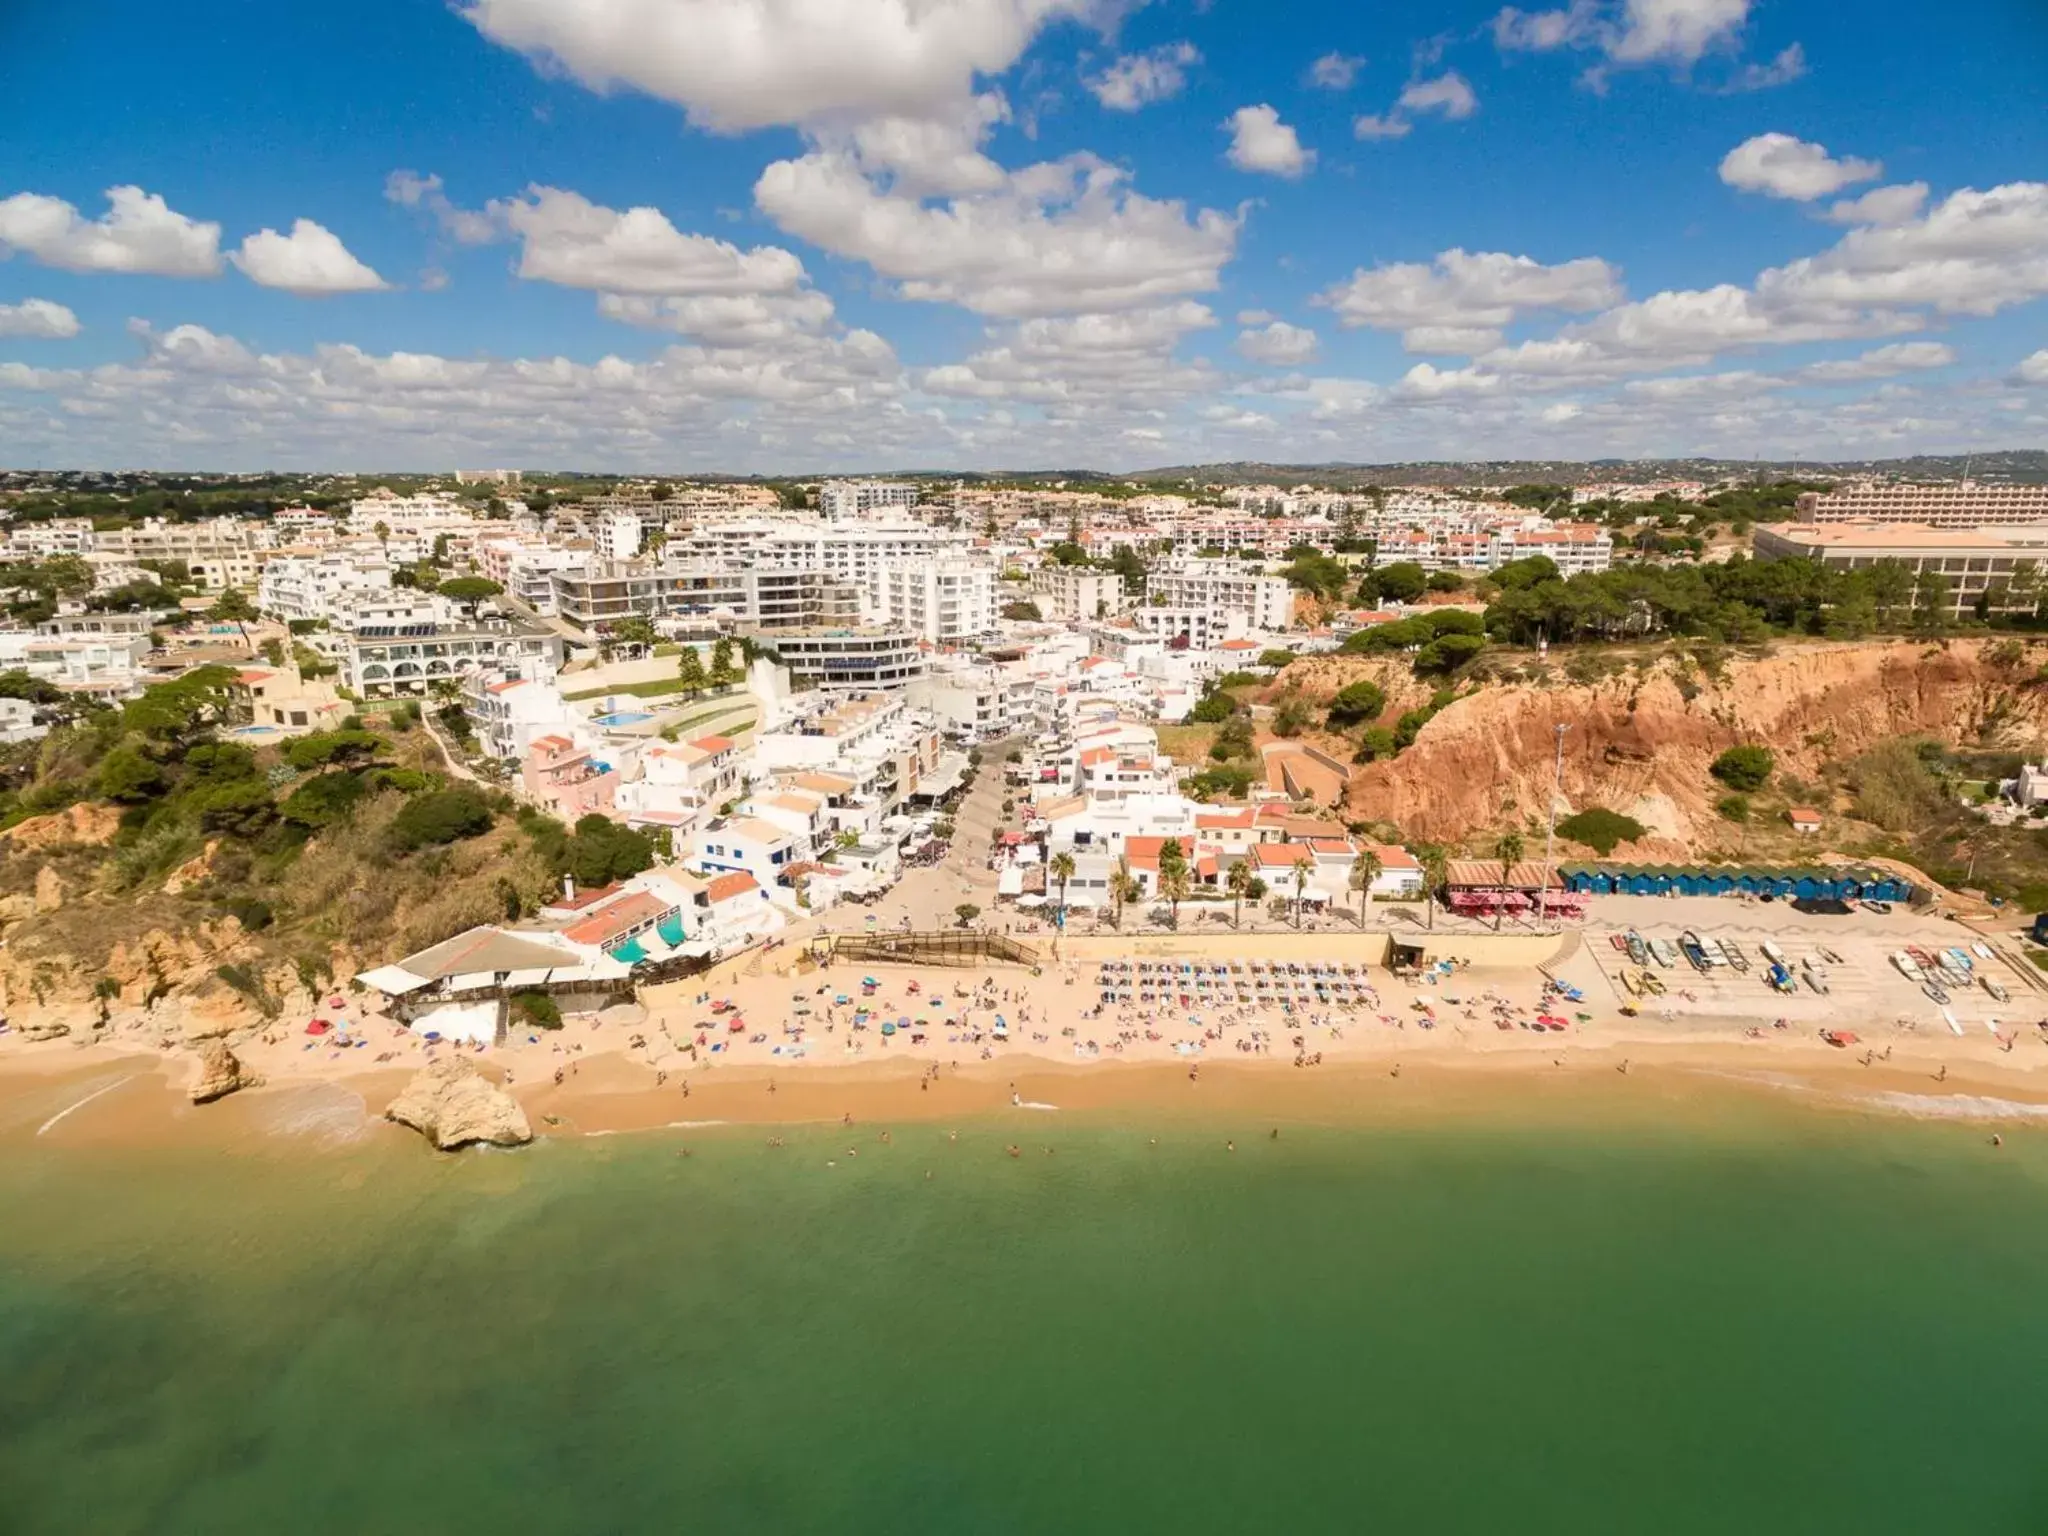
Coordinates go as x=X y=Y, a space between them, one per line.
x=1305 y=1026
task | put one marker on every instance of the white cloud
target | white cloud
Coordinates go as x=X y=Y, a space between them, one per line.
x=2034 y=369
x=409 y=189
x=1789 y=65
x=1336 y=71
x=1626 y=33
x=139 y=233
x=1778 y=165
x=1881 y=363
x=928 y=156
x=1260 y=142
x=567 y=239
x=39 y=318
x=739 y=64
x=726 y=319
x=1279 y=344
x=1137 y=79
x=1254 y=316
x=1460 y=302
x=1425 y=381
x=1106 y=364
x=1063 y=237
x=309 y=261
x=1738 y=385
x=1448 y=93
x=1881 y=205
x=1374 y=125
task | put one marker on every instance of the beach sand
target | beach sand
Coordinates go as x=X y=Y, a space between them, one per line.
x=799 y=1058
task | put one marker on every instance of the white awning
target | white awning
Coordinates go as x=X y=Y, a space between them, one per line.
x=392 y=980
x=470 y=981
x=1010 y=882
x=529 y=978
x=474 y=1022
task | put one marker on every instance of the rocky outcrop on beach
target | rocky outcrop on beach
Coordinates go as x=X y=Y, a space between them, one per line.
x=218 y=1073
x=454 y=1105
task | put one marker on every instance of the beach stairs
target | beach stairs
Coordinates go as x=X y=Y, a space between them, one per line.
x=967 y=948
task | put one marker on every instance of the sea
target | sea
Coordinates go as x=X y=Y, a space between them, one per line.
x=1773 y=1319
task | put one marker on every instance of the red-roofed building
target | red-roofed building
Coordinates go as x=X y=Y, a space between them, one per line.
x=564 y=780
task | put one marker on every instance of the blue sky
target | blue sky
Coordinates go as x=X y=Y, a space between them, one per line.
x=690 y=235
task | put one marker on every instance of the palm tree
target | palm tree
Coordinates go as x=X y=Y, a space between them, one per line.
x=1509 y=849
x=1123 y=887
x=1173 y=885
x=1062 y=870
x=1239 y=883
x=1303 y=868
x=1173 y=871
x=1364 y=870
x=1436 y=873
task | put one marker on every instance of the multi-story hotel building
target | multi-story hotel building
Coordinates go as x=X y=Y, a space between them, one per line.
x=1977 y=563
x=1958 y=504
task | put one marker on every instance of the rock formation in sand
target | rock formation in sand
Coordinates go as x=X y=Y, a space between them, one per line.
x=454 y=1105
x=219 y=1073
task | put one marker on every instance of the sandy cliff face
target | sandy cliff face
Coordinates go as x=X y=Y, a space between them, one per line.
x=1641 y=744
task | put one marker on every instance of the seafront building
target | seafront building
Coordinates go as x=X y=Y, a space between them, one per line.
x=1957 y=504
x=1977 y=564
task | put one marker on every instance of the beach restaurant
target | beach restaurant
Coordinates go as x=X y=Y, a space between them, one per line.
x=1796 y=883
x=1490 y=888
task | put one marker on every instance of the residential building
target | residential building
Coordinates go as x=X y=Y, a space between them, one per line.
x=509 y=712
x=310 y=586
x=106 y=664
x=943 y=602
x=1072 y=594
x=280 y=702
x=850 y=658
x=602 y=592
x=1220 y=588
x=617 y=535
x=847 y=500
x=403 y=649
x=749 y=845
x=564 y=779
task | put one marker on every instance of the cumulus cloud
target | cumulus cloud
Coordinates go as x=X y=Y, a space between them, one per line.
x=39 y=318
x=1449 y=94
x=1279 y=344
x=1260 y=142
x=1136 y=79
x=139 y=233
x=1789 y=65
x=2034 y=369
x=1063 y=237
x=1460 y=302
x=1881 y=205
x=1336 y=71
x=567 y=239
x=726 y=319
x=309 y=261
x=1881 y=363
x=1629 y=33
x=465 y=226
x=1975 y=253
x=1778 y=165
x=740 y=64
x=1114 y=365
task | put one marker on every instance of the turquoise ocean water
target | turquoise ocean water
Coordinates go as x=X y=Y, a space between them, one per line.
x=1797 y=1323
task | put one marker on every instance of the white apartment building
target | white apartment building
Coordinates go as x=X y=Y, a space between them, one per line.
x=1075 y=594
x=1975 y=562
x=108 y=664
x=845 y=500
x=313 y=586
x=58 y=536
x=1220 y=588
x=617 y=535
x=970 y=699
x=944 y=602
x=401 y=643
x=596 y=592
x=856 y=658
x=219 y=551
x=295 y=525
x=854 y=552
x=1961 y=504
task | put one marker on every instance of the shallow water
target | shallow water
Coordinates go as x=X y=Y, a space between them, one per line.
x=1775 y=1321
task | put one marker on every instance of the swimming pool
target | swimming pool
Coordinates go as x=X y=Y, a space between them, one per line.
x=624 y=717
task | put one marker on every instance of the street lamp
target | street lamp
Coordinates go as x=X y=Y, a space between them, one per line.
x=1556 y=788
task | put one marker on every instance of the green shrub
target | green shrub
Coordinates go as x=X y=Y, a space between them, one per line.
x=1733 y=808
x=1600 y=829
x=537 y=1009
x=440 y=817
x=1745 y=768
x=1362 y=700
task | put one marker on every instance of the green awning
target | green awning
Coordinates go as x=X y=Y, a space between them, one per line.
x=630 y=952
x=671 y=930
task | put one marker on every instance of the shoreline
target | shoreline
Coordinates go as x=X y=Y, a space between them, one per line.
x=103 y=1099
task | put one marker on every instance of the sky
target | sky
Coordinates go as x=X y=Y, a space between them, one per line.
x=809 y=236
